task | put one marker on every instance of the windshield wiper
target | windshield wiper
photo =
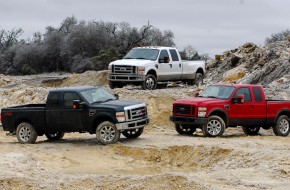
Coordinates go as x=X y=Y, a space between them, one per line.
x=102 y=101
x=140 y=58
x=212 y=97
x=109 y=99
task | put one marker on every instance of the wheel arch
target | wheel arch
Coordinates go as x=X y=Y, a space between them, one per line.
x=282 y=112
x=200 y=70
x=221 y=113
x=152 y=72
x=101 y=118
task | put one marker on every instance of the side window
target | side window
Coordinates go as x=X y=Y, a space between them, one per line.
x=174 y=55
x=246 y=93
x=53 y=100
x=68 y=98
x=257 y=94
x=163 y=54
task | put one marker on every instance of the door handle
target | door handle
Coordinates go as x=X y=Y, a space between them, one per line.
x=170 y=65
x=179 y=64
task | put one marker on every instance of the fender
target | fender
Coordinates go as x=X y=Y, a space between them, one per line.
x=149 y=69
x=102 y=116
x=281 y=111
x=220 y=110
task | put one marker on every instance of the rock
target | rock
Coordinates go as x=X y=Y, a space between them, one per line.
x=234 y=74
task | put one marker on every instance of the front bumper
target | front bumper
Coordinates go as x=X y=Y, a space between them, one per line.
x=131 y=77
x=133 y=124
x=189 y=120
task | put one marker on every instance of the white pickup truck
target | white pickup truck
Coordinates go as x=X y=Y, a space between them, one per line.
x=148 y=66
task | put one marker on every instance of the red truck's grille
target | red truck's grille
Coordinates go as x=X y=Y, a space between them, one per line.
x=183 y=109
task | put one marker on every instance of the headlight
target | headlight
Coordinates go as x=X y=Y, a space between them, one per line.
x=201 y=111
x=141 y=70
x=120 y=116
x=110 y=68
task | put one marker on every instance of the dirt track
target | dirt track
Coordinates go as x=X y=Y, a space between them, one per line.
x=159 y=159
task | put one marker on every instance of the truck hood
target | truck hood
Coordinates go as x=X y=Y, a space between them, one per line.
x=199 y=101
x=117 y=105
x=131 y=62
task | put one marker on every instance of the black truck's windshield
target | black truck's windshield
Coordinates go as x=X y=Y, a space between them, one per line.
x=142 y=53
x=97 y=95
x=220 y=92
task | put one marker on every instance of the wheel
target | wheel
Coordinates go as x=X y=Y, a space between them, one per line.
x=198 y=81
x=112 y=84
x=149 y=82
x=215 y=127
x=251 y=131
x=25 y=133
x=54 y=136
x=184 y=130
x=161 y=86
x=133 y=133
x=282 y=126
x=107 y=133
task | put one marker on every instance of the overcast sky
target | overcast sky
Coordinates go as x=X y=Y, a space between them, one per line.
x=210 y=26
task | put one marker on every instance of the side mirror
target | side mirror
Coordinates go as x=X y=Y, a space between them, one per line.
x=77 y=104
x=116 y=96
x=239 y=99
x=196 y=94
x=166 y=59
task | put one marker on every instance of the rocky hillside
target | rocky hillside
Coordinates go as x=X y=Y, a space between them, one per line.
x=268 y=66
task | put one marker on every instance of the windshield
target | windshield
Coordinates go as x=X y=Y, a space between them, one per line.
x=221 y=92
x=97 y=95
x=142 y=53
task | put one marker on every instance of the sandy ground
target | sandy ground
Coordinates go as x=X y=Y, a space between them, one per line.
x=158 y=159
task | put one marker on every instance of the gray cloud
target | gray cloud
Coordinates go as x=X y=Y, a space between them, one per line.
x=210 y=26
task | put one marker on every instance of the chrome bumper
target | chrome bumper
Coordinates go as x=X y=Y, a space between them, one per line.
x=132 y=77
x=132 y=124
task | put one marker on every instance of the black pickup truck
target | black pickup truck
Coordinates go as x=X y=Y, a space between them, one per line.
x=76 y=109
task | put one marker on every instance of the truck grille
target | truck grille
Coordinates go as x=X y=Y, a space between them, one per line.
x=183 y=109
x=123 y=69
x=136 y=113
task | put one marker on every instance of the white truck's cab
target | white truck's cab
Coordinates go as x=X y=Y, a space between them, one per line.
x=149 y=65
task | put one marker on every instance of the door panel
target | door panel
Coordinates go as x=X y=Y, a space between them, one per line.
x=251 y=110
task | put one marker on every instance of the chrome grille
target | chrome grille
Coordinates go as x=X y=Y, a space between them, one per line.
x=123 y=69
x=136 y=113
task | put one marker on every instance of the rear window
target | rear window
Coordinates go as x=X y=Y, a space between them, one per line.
x=53 y=100
x=174 y=55
x=257 y=94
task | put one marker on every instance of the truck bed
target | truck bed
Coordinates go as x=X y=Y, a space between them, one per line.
x=33 y=113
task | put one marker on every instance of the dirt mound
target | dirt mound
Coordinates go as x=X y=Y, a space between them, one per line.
x=88 y=78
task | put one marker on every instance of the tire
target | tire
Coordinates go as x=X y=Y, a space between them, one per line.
x=282 y=127
x=198 y=81
x=133 y=133
x=25 y=133
x=251 y=131
x=215 y=127
x=161 y=86
x=54 y=136
x=107 y=133
x=149 y=83
x=112 y=84
x=184 y=130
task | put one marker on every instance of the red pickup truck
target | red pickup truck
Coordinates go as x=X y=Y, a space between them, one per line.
x=229 y=105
